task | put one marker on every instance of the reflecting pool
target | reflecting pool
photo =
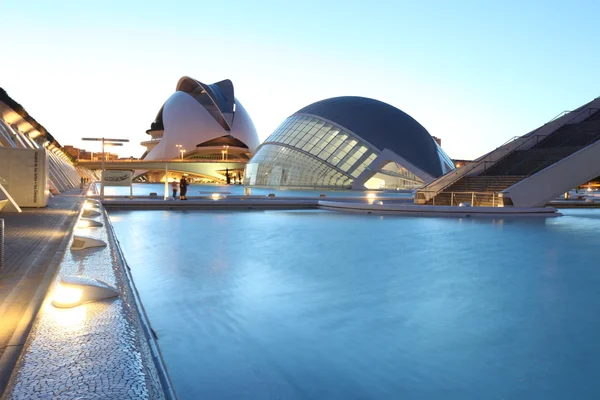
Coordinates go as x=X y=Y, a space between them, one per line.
x=321 y=305
x=144 y=189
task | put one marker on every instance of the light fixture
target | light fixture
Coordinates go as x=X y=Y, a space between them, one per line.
x=72 y=291
x=85 y=242
x=92 y=203
x=90 y=213
x=215 y=196
x=88 y=223
x=90 y=206
x=371 y=198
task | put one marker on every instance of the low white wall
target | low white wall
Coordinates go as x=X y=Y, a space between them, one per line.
x=557 y=179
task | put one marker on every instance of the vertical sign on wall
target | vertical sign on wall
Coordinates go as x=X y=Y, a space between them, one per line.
x=36 y=183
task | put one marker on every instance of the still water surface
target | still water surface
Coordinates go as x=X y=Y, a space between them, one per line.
x=320 y=305
x=144 y=189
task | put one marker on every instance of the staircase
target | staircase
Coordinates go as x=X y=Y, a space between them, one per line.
x=476 y=190
x=481 y=190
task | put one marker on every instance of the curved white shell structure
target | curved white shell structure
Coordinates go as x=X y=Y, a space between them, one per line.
x=196 y=113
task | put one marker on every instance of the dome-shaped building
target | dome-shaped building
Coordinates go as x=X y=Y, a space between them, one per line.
x=348 y=142
x=198 y=113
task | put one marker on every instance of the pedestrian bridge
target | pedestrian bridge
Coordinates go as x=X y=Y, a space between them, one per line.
x=528 y=171
x=205 y=168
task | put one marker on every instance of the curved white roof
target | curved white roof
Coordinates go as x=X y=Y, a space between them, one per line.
x=196 y=113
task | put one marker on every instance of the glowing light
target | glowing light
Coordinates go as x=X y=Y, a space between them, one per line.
x=215 y=196
x=89 y=206
x=87 y=223
x=71 y=319
x=66 y=296
x=72 y=291
x=81 y=224
x=371 y=197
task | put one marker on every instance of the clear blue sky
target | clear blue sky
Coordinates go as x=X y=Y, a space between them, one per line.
x=474 y=73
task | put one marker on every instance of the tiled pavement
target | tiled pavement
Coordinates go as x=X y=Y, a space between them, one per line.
x=33 y=246
x=97 y=350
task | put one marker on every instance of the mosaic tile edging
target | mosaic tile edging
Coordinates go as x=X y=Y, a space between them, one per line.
x=103 y=351
x=156 y=356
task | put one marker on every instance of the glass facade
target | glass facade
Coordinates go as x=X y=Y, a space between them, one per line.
x=308 y=152
x=445 y=161
x=394 y=176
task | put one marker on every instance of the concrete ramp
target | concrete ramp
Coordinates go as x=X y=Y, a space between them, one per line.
x=560 y=177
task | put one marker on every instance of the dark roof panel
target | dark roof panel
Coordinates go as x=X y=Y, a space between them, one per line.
x=382 y=125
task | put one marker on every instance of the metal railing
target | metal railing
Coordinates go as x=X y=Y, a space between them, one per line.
x=528 y=140
x=472 y=198
x=547 y=161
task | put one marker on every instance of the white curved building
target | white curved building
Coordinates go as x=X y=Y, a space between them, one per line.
x=198 y=113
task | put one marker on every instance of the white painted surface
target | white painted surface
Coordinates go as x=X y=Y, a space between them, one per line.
x=386 y=156
x=438 y=211
x=557 y=179
x=187 y=123
x=8 y=203
x=523 y=143
x=24 y=173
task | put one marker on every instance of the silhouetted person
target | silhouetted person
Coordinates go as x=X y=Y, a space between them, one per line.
x=183 y=184
x=175 y=188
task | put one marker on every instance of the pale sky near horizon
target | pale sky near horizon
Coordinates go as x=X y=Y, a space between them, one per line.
x=474 y=73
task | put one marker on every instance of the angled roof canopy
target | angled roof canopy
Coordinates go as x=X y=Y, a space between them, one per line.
x=217 y=98
x=226 y=140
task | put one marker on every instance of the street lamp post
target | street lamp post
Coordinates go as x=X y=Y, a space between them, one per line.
x=107 y=142
x=180 y=150
x=224 y=152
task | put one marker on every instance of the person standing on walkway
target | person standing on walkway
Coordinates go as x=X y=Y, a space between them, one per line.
x=175 y=188
x=183 y=184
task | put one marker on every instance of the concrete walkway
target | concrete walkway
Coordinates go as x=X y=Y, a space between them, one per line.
x=34 y=243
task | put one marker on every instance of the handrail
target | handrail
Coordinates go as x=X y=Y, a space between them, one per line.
x=473 y=195
x=559 y=146
x=483 y=162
